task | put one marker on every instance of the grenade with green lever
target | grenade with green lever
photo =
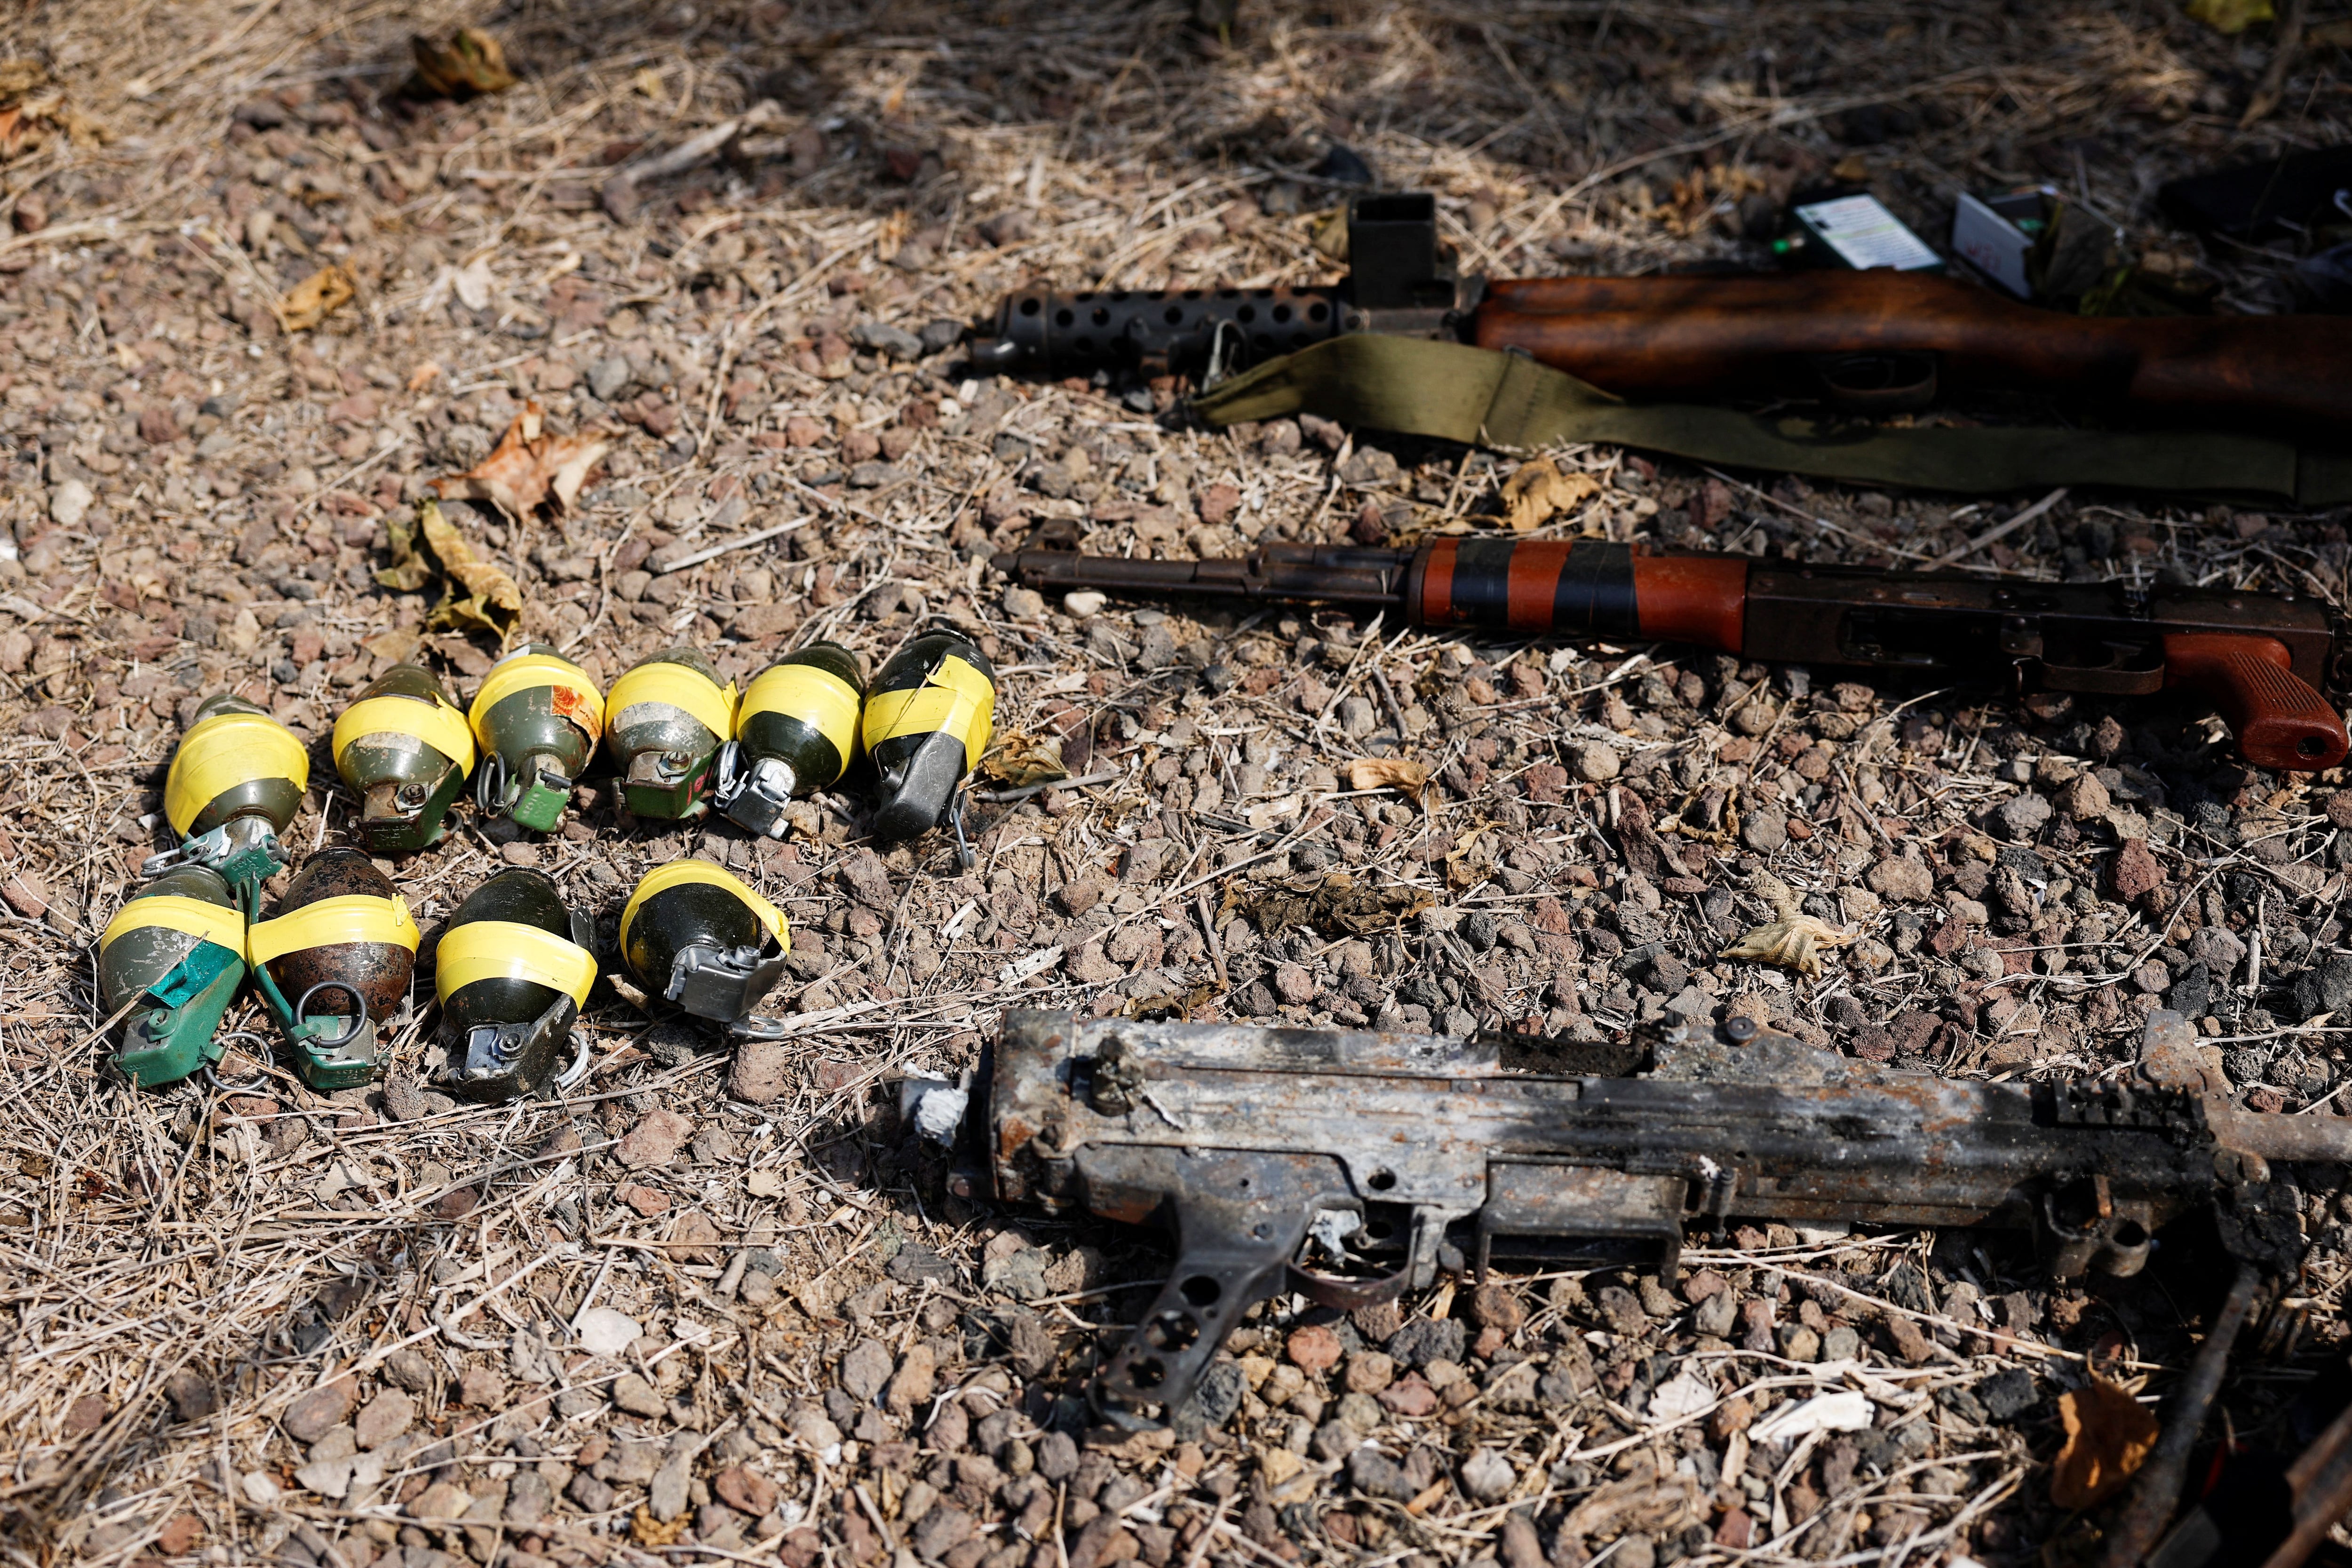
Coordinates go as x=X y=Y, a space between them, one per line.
x=235 y=781
x=929 y=717
x=692 y=933
x=537 y=719
x=175 y=955
x=333 y=964
x=406 y=750
x=512 y=971
x=796 y=733
x=665 y=720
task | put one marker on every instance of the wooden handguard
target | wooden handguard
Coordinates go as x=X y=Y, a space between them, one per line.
x=2278 y=721
x=1703 y=336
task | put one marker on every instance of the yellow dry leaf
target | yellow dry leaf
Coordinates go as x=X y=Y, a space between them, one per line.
x=528 y=470
x=1401 y=774
x=476 y=595
x=1794 y=939
x=470 y=62
x=315 y=297
x=2108 y=1436
x=651 y=1532
x=1542 y=491
x=19 y=77
x=2230 y=16
x=398 y=646
x=1019 y=759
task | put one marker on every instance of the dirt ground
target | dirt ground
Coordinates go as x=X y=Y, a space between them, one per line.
x=717 y=1305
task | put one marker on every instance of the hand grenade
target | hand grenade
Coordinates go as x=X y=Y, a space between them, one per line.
x=406 y=750
x=796 y=733
x=333 y=964
x=235 y=783
x=694 y=934
x=177 y=946
x=665 y=720
x=929 y=716
x=512 y=971
x=537 y=719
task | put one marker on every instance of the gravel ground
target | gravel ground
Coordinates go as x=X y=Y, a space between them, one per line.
x=718 y=1305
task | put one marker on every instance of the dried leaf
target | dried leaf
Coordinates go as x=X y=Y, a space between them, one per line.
x=1541 y=490
x=475 y=594
x=470 y=62
x=312 y=300
x=21 y=77
x=2108 y=1436
x=1794 y=939
x=1338 y=903
x=398 y=646
x=528 y=470
x=651 y=1532
x=1400 y=773
x=1019 y=759
x=2230 y=16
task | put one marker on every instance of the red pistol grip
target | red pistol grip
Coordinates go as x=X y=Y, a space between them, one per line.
x=2278 y=721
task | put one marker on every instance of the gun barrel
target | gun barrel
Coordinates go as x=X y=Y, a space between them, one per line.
x=2262 y=659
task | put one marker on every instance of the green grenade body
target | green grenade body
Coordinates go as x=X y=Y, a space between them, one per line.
x=695 y=934
x=334 y=963
x=537 y=719
x=179 y=944
x=929 y=716
x=406 y=750
x=796 y=733
x=512 y=971
x=665 y=720
x=235 y=781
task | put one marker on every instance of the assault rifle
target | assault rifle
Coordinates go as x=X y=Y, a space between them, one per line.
x=1874 y=342
x=2261 y=660
x=1279 y=1156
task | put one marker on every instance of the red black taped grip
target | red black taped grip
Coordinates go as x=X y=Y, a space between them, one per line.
x=1580 y=588
x=1576 y=588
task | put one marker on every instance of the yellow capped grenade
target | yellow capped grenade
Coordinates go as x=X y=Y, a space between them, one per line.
x=333 y=963
x=929 y=716
x=512 y=969
x=665 y=720
x=694 y=934
x=537 y=719
x=796 y=733
x=404 y=749
x=235 y=783
x=177 y=949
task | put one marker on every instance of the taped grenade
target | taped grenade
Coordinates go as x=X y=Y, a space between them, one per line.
x=695 y=935
x=665 y=720
x=333 y=964
x=537 y=718
x=928 y=719
x=177 y=947
x=796 y=733
x=404 y=749
x=235 y=783
x=512 y=971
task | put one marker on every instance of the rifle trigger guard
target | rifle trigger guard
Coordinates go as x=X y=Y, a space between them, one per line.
x=1900 y=383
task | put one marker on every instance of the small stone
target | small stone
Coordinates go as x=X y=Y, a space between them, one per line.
x=70 y=502
x=1622 y=1309
x=1734 y=1414
x=1486 y=1474
x=1024 y=603
x=310 y=1417
x=745 y=1490
x=441 y=1500
x=939 y=1531
x=607 y=376
x=1084 y=603
x=2340 y=808
x=634 y=1395
x=382 y=1418
x=1313 y=1349
x=1493 y=1306
x=865 y=1367
x=2084 y=798
x=655 y=1141
x=762 y=1072
x=1764 y=830
x=2134 y=872
x=916 y=1377
x=1368 y=1372
x=1596 y=761
x=1057 y=1457
x=604 y=1332
x=1374 y=1474
x=481 y=1388
x=2023 y=817
x=1903 y=877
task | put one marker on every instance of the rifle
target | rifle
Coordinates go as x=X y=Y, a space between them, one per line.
x=2261 y=660
x=1875 y=342
x=1270 y=1150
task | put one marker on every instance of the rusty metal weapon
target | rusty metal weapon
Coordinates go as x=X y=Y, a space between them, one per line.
x=1270 y=1150
x=2261 y=660
x=1873 y=342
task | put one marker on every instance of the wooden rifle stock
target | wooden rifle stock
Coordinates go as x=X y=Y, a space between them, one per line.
x=1703 y=336
x=2260 y=658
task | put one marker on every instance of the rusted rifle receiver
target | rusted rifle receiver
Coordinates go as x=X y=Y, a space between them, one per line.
x=2261 y=660
x=1282 y=1157
x=1872 y=341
